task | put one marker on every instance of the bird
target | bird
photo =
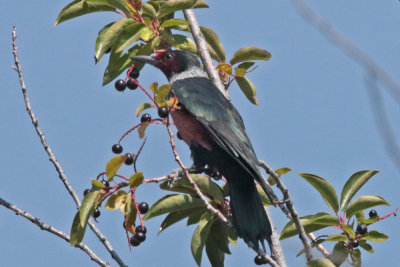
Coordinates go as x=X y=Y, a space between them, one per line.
x=214 y=131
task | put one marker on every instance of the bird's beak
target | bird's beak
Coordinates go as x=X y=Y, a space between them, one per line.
x=145 y=59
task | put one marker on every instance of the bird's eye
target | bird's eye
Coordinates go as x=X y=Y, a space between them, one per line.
x=168 y=56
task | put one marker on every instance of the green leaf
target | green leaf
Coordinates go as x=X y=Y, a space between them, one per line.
x=264 y=198
x=97 y=184
x=219 y=233
x=142 y=129
x=339 y=253
x=184 y=43
x=200 y=4
x=175 y=217
x=364 y=202
x=142 y=107
x=200 y=235
x=162 y=93
x=154 y=87
x=250 y=53
x=248 y=89
x=233 y=236
x=172 y=203
x=171 y=6
x=320 y=263
x=311 y=223
x=206 y=186
x=241 y=70
x=337 y=237
x=213 y=40
x=113 y=166
x=214 y=254
x=361 y=218
x=353 y=184
x=225 y=68
x=88 y=206
x=281 y=171
x=118 y=4
x=355 y=256
x=109 y=34
x=324 y=188
x=195 y=216
x=78 y=8
x=375 y=236
x=116 y=201
x=130 y=34
x=146 y=34
x=366 y=246
x=349 y=229
x=77 y=231
x=149 y=10
x=174 y=22
x=136 y=179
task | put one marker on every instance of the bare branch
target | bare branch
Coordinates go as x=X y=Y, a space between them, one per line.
x=348 y=47
x=320 y=247
x=203 y=51
x=54 y=231
x=290 y=206
x=50 y=153
x=276 y=248
x=191 y=181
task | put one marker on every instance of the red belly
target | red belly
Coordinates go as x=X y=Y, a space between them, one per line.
x=191 y=130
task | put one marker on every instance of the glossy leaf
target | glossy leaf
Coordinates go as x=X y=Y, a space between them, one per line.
x=281 y=171
x=118 y=4
x=320 y=263
x=349 y=230
x=88 y=206
x=113 y=166
x=264 y=198
x=324 y=188
x=195 y=216
x=213 y=40
x=361 y=218
x=97 y=184
x=250 y=53
x=339 y=253
x=375 y=236
x=142 y=107
x=219 y=233
x=77 y=231
x=154 y=87
x=162 y=93
x=173 y=23
x=109 y=35
x=142 y=129
x=364 y=202
x=355 y=256
x=337 y=237
x=241 y=70
x=310 y=223
x=136 y=179
x=130 y=219
x=171 y=6
x=147 y=34
x=184 y=43
x=172 y=203
x=214 y=254
x=366 y=246
x=175 y=217
x=200 y=4
x=78 y=8
x=116 y=200
x=149 y=10
x=353 y=184
x=130 y=34
x=248 y=89
x=200 y=236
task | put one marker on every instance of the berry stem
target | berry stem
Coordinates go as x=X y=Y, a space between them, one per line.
x=144 y=90
x=136 y=205
x=390 y=214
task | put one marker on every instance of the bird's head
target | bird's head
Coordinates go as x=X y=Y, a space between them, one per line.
x=171 y=62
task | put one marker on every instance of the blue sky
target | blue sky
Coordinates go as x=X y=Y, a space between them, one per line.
x=314 y=116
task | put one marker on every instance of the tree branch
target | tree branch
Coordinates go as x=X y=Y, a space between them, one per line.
x=54 y=231
x=203 y=51
x=50 y=153
x=289 y=204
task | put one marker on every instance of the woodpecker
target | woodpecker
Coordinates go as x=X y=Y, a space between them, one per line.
x=215 y=133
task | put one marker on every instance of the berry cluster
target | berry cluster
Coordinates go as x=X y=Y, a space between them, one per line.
x=131 y=83
x=140 y=230
x=362 y=229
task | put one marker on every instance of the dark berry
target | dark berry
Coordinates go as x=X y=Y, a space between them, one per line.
x=117 y=148
x=141 y=228
x=179 y=136
x=163 y=112
x=143 y=207
x=259 y=260
x=373 y=213
x=87 y=191
x=140 y=236
x=354 y=243
x=145 y=117
x=120 y=85
x=129 y=159
x=362 y=229
x=134 y=73
x=134 y=241
x=96 y=213
x=105 y=183
x=131 y=84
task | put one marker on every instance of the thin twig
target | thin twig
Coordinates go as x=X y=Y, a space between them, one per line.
x=348 y=47
x=203 y=51
x=54 y=231
x=276 y=248
x=191 y=181
x=290 y=206
x=50 y=153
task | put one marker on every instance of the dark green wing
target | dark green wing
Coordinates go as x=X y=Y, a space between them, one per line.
x=217 y=114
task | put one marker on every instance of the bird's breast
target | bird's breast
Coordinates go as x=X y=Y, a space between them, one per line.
x=191 y=130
